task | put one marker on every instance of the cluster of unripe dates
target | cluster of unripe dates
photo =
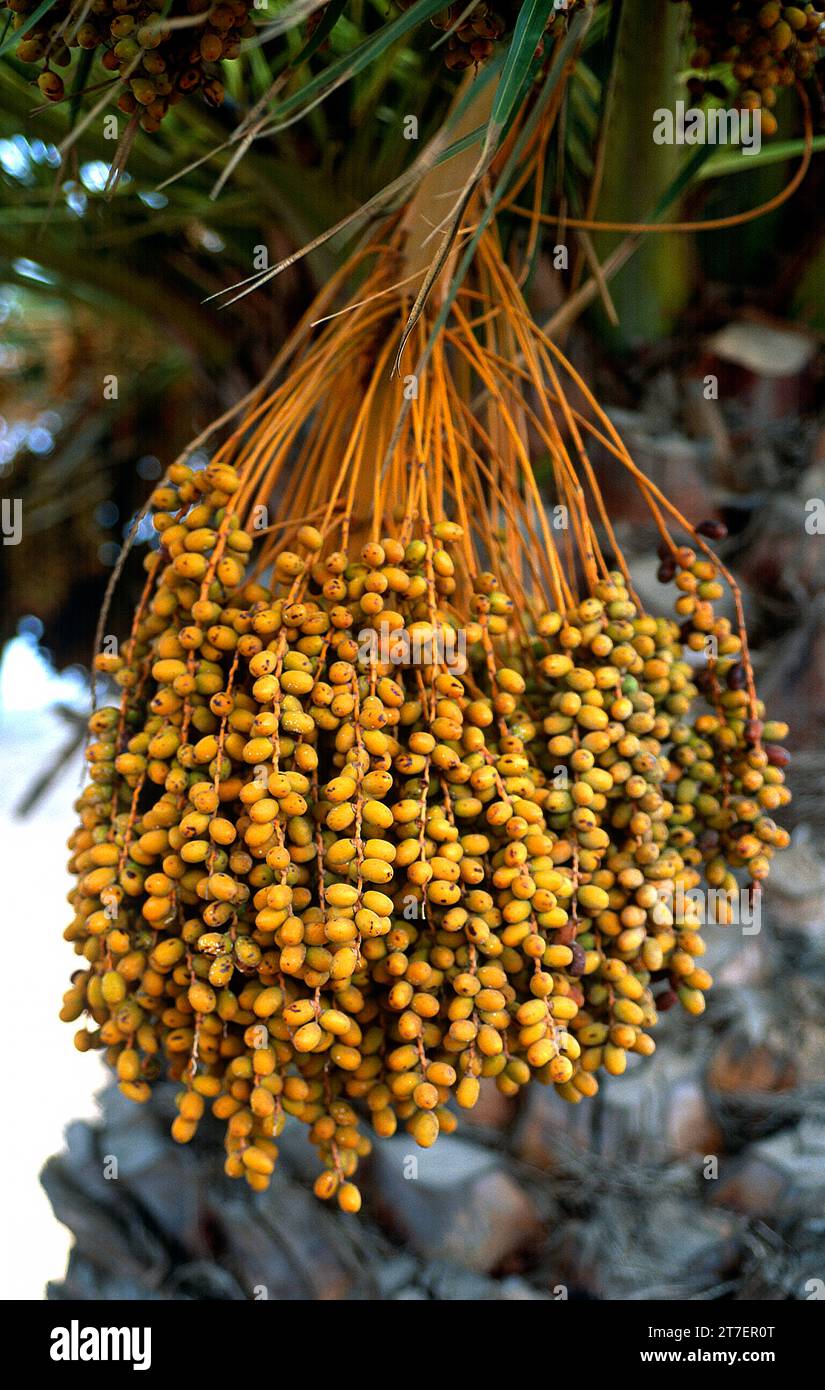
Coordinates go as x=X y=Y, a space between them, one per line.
x=160 y=52
x=473 y=35
x=360 y=832
x=768 y=45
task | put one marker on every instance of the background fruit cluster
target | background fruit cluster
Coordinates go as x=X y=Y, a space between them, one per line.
x=161 y=53
x=769 y=46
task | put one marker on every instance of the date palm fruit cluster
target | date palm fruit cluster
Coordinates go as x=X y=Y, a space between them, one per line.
x=769 y=46
x=324 y=869
x=475 y=34
x=160 y=52
x=474 y=40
